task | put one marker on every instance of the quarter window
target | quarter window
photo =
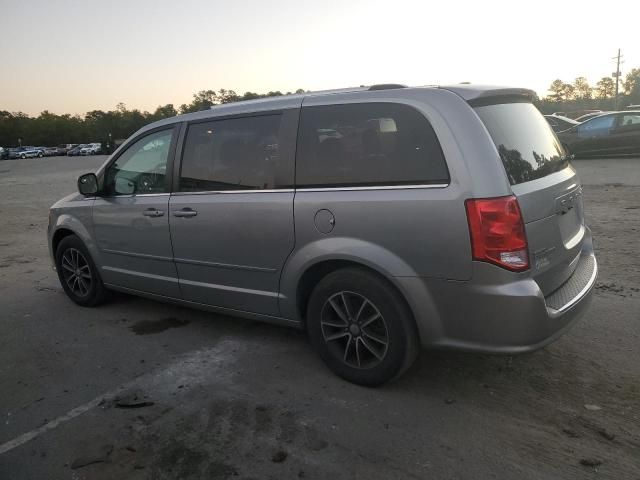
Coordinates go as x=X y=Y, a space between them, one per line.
x=232 y=154
x=367 y=144
x=142 y=167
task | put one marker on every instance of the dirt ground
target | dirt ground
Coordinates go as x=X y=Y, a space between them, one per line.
x=142 y=390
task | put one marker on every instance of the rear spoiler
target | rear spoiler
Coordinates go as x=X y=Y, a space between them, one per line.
x=476 y=95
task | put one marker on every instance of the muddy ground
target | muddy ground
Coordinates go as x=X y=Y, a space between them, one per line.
x=142 y=390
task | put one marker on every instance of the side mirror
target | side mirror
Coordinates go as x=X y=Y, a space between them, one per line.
x=88 y=184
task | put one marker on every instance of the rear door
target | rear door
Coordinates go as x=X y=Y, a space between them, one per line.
x=231 y=213
x=547 y=187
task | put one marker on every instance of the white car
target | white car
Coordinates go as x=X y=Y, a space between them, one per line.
x=91 y=149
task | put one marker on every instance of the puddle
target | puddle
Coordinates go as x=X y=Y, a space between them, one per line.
x=146 y=327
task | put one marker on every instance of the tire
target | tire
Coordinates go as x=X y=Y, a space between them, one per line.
x=23 y=156
x=72 y=257
x=40 y=155
x=374 y=339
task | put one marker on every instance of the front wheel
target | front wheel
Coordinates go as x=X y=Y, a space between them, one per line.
x=23 y=156
x=361 y=327
x=40 y=155
x=78 y=274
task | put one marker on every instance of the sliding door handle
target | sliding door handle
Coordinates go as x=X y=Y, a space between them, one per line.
x=185 y=212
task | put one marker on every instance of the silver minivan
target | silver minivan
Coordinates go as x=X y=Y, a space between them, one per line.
x=380 y=219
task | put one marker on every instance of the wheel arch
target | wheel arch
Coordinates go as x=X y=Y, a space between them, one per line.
x=57 y=237
x=66 y=225
x=317 y=271
x=307 y=266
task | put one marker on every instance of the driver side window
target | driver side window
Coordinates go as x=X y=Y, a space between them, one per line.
x=142 y=167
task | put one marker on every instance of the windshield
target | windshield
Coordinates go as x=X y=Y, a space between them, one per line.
x=526 y=143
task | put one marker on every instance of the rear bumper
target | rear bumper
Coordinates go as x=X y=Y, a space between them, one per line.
x=498 y=312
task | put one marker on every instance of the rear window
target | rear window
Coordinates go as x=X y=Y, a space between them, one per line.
x=367 y=144
x=526 y=143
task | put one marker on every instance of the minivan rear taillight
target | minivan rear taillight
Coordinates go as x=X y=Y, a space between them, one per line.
x=497 y=232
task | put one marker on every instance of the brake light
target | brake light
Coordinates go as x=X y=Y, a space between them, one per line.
x=497 y=232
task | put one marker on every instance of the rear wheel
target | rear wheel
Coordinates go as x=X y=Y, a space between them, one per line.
x=361 y=327
x=40 y=155
x=78 y=274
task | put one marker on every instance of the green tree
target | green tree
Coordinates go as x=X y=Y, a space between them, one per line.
x=202 y=100
x=632 y=82
x=606 y=87
x=582 y=88
x=164 y=111
x=569 y=92
x=557 y=91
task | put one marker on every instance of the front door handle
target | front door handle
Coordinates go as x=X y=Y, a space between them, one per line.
x=185 y=212
x=153 y=212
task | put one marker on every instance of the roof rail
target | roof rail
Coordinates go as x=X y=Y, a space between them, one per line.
x=386 y=86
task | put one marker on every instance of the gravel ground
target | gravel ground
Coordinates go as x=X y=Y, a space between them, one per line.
x=142 y=390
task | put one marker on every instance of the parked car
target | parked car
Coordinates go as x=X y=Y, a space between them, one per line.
x=29 y=152
x=75 y=151
x=559 y=123
x=91 y=149
x=51 y=151
x=433 y=217
x=608 y=134
x=589 y=116
x=64 y=148
x=632 y=107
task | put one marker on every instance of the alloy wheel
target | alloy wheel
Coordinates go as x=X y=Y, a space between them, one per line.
x=76 y=272
x=354 y=330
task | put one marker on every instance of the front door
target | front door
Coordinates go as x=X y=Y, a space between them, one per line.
x=232 y=214
x=131 y=218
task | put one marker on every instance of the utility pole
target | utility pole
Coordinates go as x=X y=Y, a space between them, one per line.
x=617 y=75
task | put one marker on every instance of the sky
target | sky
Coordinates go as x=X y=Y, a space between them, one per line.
x=69 y=56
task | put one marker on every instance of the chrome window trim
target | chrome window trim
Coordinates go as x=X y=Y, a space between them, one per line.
x=379 y=187
x=215 y=192
x=319 y=189
x=164 y=194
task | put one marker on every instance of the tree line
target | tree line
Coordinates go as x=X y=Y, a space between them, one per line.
x=580 y=95
x=49 y=129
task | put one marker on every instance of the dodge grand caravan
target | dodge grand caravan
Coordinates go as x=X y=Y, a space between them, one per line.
x=380 y=219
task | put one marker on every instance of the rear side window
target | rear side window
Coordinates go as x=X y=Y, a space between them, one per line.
x=630 y=120
x=597 y=126
x=527 y=146
x=232 y=154
x=367 y=144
